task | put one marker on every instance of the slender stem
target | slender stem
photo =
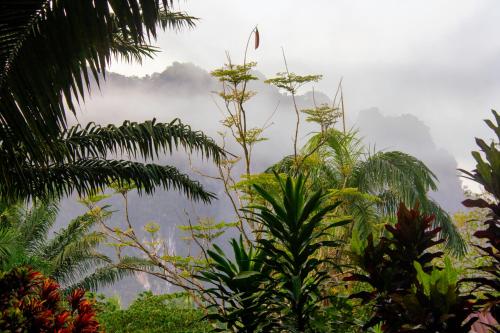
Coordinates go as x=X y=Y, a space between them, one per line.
x=342 y=103
x=297 y=112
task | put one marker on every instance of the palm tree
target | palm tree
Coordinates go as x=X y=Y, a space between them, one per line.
x=50 y=51
x=70 y=257
x=337 y=160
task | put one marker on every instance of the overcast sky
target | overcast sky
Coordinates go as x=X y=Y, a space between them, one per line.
x=438 y=60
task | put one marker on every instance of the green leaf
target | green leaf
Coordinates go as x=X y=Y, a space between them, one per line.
x=246 y=275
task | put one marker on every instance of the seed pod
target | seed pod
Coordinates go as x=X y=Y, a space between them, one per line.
x=257 y=38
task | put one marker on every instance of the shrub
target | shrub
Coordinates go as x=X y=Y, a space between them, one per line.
x=30 y=302
x=408 y=292
x=150 y=313
x=487 y=174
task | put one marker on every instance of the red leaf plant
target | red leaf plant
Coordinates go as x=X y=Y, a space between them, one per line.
x=31 y=302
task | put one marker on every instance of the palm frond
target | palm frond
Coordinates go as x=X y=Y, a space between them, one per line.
x=146 y=140
x=341 y=152
x=365 y=217
x=453 y=240
x=101 y=277
x=18 y=257
x=127 y=48
x=9 y=239
x=176 y=20
x=76 y=229
x=76 y=267
x=70 y=257
x=338 y=161
x=77 y=252
x=90 y=175
x=72 y=253
x=400 y=172
x=35 y=224
x=124 y=48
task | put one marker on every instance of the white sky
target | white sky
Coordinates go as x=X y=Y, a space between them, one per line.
x=436 y=59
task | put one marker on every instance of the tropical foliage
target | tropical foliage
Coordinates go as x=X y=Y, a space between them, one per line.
x=285 y=273
x=81 y=161
x=71 y=257
x=39 y=79
x=295 y=223
x=408 y=292
x=40 y=155
x=30 y=302
x=337 y=160
x=281 y=284
x=487 y=174
x=238 y=284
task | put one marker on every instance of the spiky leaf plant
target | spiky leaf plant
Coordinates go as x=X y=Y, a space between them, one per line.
x=295 y=223
x=236 y=286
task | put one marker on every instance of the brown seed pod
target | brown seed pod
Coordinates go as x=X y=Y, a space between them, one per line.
x=257 y=38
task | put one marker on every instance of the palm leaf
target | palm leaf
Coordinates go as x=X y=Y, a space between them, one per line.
x=35 y=223
x=39 y=78
x=397 y=171
x=80 y=148
x=90 y=175
x=9 y=239
x=101 y=277
x=453 y=240
x=146 y=140
x=76 y=229
x=73 y=269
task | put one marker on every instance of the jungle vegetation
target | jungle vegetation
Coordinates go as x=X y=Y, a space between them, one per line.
x=332 y=238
